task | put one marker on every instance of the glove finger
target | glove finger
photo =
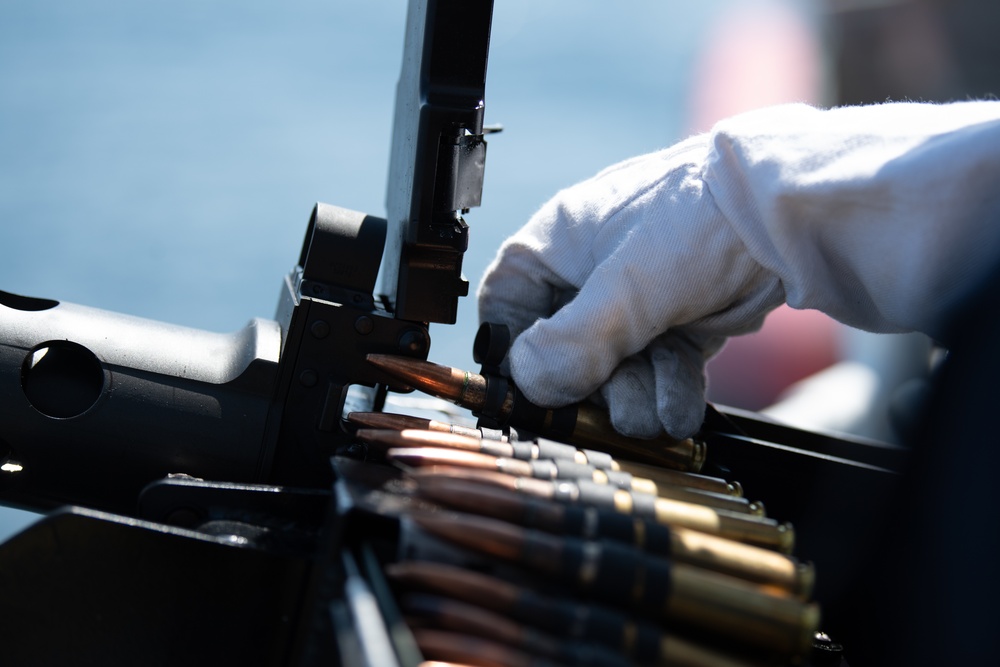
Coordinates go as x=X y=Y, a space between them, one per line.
x=637 y=387
x=568 y=356
x=678 y=366
x=662 y=266
x=630 y=395
x=619 y=310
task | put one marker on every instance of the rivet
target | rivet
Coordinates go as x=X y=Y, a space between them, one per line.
x=413 y=340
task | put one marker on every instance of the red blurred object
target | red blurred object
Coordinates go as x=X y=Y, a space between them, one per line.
x=752 y=371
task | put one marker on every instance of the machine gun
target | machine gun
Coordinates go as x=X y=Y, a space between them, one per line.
x=194 y=515
x=99 y=406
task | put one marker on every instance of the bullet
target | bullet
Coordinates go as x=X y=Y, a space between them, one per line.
x=638 y=639
x=619 y=575
x=688 y=480
x=416 y=456
x=529 y=448
x=416 y=438
x=560 y=471
x=398 y=422
x=524 y=451
x=388 y=420
x=469 y=619
x=747 y=528
x=755 y=564
x=544 y=448
x=535 y=487
x=560 y=468
x=583 y=424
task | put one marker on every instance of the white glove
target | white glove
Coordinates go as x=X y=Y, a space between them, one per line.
x=655 y=279
x=883 y=217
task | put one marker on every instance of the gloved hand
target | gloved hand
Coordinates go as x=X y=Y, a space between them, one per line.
x=628 y=283
x=882 y=217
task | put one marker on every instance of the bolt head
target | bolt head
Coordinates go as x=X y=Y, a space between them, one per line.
x=413 y=341
x=320 y=329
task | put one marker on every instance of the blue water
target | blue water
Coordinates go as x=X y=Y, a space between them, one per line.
x=162 y=159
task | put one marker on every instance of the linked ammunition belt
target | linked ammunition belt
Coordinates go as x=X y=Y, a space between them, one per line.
x=518 y=550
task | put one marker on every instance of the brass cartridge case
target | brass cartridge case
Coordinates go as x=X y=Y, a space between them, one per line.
x=740 y=527
x=742 y=610
x=755 y=564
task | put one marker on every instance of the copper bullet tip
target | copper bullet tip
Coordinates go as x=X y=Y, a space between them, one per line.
x=454 y=581
x=385 y=437
x=452 y=384
x=387 y=420
x=427 y=456
x=489 y=477
x=419 y=438
x=497 y=538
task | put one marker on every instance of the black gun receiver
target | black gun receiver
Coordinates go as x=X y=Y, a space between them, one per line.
x=119 y=421
x=98 y=404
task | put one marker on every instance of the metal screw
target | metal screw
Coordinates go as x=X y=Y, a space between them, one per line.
x=308 y=378
x=320 y=329
x=825 y=651
x=413 y=340
x=364 y=325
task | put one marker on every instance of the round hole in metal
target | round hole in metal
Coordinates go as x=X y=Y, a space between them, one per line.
x=62 y=379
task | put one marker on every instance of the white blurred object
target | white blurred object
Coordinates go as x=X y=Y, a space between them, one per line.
x=866 y=393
